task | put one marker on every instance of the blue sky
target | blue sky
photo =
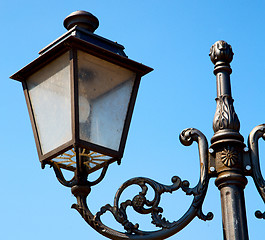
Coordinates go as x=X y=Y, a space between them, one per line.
x=174 y=38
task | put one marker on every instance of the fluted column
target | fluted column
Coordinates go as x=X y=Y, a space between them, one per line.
x=228 y=145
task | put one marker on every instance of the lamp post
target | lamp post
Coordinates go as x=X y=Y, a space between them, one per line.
x=80 y=94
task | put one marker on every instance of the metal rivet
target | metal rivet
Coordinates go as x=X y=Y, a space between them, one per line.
x=212 y=169
x=211 y=150
x=248 y=167
x=246 y=149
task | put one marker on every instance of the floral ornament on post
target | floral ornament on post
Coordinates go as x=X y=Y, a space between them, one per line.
x=229 y=157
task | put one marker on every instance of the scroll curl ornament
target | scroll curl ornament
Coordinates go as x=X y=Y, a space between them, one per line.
x=253 y=138
x=187 y=137
x=142 y=205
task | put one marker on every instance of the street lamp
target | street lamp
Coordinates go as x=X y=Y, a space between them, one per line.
x=80 y=94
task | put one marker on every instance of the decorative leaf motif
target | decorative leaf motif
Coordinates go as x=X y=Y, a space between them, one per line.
x=159 y=221
x=225 y=116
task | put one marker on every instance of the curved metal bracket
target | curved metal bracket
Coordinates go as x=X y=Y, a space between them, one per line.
x=100 y=178
x=144 y=206
x=60 y=177
x=187 y=137
x=253 y=138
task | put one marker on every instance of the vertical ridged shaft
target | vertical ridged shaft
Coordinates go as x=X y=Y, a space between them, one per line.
x=228 y=145
x=234 y=227
x=231 y=187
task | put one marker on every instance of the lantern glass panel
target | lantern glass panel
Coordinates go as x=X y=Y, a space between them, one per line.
x=50 y=97
x=104 y=94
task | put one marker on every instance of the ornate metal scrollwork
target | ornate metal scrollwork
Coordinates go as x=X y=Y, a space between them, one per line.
x=142 y=205
x=187 y=137
x=254 y=136
x=140 y=201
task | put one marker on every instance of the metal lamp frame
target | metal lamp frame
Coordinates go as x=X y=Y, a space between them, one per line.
x=76 y=39
x=228 y=159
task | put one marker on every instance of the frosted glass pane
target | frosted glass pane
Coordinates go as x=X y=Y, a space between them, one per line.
x=104 y=94
x=49 y=91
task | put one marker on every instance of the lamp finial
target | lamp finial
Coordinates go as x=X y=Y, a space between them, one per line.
x=222 y=52
x=82 y=19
